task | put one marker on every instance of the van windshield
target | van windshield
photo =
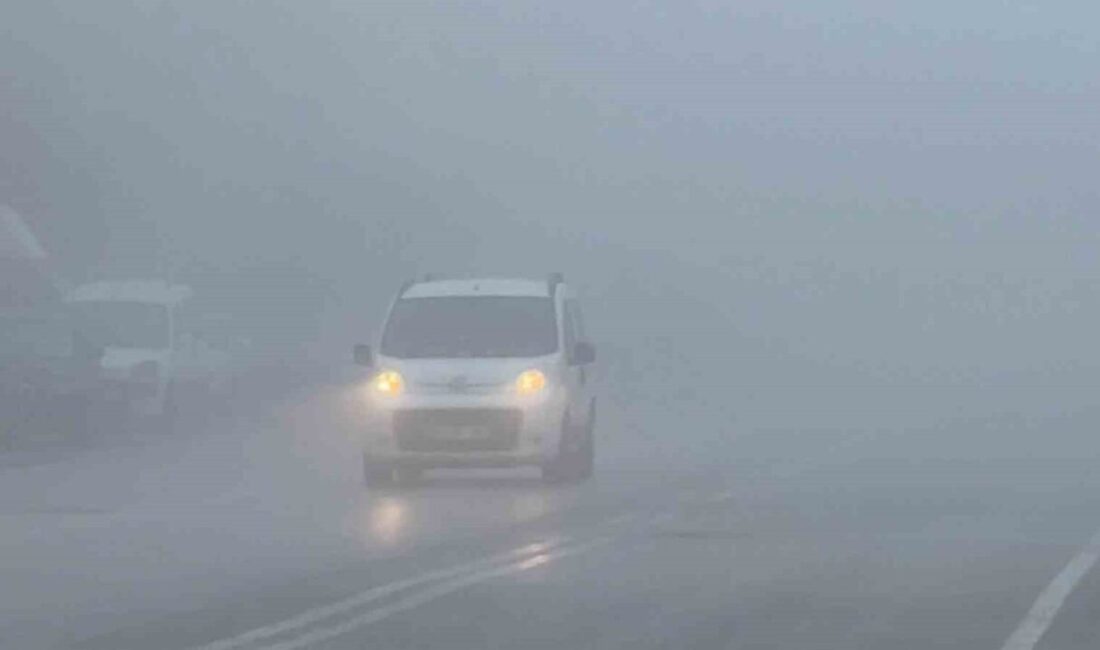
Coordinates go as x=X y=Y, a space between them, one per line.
x=471 y=327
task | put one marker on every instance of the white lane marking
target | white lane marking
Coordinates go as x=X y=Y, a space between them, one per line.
x=431 y=593
x=1046 y=607
x=344 y=606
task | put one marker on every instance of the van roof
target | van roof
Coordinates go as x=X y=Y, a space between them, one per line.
x=149 y=291
x=478 y=287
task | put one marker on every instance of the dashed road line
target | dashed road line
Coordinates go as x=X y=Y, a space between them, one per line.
x=1050 y=601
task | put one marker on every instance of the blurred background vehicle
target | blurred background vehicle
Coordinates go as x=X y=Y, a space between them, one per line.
x=155 y=360
x=49 y=384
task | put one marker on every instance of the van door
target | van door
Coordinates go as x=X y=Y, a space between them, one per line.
x=578 y=376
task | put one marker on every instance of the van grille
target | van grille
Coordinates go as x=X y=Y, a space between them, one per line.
x=457 y=430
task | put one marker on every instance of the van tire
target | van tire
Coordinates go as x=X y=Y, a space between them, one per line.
x=588 y=459
x=574 y=462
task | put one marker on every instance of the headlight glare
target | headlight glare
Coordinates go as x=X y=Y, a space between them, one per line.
x=530 y=382
x=388 y=382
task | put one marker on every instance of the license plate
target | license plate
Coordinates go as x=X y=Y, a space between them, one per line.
x=465 y=432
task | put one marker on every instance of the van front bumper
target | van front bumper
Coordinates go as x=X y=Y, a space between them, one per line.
x=464 y=431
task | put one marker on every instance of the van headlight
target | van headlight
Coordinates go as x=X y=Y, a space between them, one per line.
x=530 y=382
x=388 y=383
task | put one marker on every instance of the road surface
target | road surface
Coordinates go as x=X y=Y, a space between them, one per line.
x=825 y=529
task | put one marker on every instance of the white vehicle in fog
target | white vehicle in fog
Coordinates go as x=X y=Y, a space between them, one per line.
x=480 y=373
x=147 y=360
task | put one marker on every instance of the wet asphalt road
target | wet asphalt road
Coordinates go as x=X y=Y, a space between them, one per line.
x=813 y=530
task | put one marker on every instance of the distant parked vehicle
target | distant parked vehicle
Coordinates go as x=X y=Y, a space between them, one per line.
x=150 y=363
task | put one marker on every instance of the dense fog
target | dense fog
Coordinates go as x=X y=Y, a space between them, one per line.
x=772 y=212
x=901 y=192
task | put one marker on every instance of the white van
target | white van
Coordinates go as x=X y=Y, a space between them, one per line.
x=480 y=373
x=147 y=359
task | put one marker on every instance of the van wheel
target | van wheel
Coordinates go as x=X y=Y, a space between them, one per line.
x=377 y=475
x=551 y=472
x=575 y=457
x=587 y=461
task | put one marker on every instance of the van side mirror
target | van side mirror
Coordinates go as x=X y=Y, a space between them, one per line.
x=362 y=355
x=583 y=354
